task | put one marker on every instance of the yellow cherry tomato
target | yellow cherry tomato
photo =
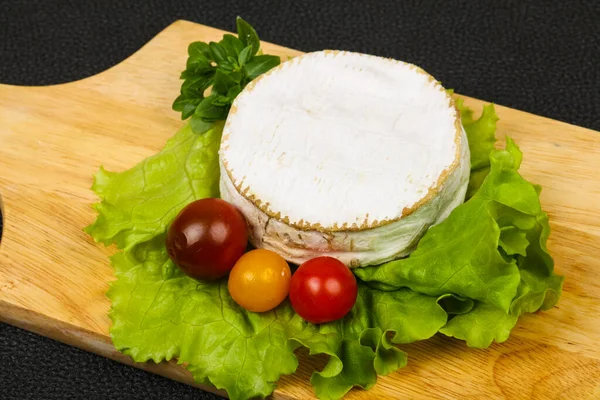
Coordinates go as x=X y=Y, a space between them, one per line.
x=259 y=280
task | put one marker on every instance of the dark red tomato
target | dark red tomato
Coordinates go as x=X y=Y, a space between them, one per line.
x=207 y=238
x=322 y=290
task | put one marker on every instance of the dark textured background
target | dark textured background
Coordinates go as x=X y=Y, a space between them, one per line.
x=538 y=56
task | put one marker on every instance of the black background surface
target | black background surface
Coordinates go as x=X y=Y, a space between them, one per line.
x=538 y=56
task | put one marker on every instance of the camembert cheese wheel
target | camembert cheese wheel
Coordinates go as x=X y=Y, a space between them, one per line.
x=343 y=154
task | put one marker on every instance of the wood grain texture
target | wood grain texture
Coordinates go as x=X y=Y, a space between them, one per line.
x=53 y=276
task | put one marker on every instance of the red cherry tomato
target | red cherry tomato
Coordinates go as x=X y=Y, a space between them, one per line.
x=207 y=238
x=323 y=290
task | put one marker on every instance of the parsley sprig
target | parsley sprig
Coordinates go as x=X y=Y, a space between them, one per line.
x=228 y=66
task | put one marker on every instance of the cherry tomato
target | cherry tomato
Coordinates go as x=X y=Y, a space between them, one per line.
x=323 y=290
x=260 y=280
x=207 y=238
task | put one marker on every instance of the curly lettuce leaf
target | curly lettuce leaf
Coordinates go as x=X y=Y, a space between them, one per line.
x=136 y=205
x=481 y=326
x=513 y=241
x=485 y=324
x=481 y=135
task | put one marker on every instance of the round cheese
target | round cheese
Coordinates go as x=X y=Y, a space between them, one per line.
x=343 y=154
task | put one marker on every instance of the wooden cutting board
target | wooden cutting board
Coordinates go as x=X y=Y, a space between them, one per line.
x=53 y=276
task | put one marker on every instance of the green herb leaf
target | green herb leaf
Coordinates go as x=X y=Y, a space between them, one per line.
x=233 y=92
x=228 y=66
x=245 y=55
x=199 y=50
x=223 y=82
x=258 y=65
x=218 y=52
x=236 y=76
x=198 y=66
x=233 y=61
x=232 y=45
x=189 y=108
x=247 y=35
x=195 y=87
x=220 y=100
x=180 y=103
x=210 y=112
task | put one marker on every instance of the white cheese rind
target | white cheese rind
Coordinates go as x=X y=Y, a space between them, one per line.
x=316 y=171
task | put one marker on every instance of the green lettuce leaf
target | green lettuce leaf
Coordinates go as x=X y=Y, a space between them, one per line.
x=485 y=324
x=513 y=241
x=138 y=204
x=481 y=134
x=481 y=326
